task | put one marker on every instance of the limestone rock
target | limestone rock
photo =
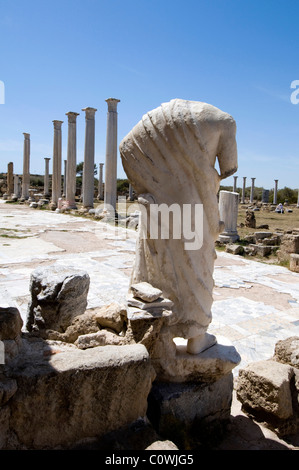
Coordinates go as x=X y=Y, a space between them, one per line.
x=101 y=338
x=145 y=291
x=10 y=323
x=234 y=249
x=287 y=351
x=58 y=295
x=111 y=316
x=264 y=387
x=80 y=394
x=81 y=325
x=162 y=445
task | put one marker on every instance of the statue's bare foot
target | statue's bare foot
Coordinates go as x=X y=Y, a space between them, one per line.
x=200 y=343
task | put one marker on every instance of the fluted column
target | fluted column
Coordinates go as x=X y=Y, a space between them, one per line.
x=56 y=176
x=252 y=190
x=275 y=192
x=26 y=166
x=46 y=177
x=100 y=187
x=235 y=184
x=111 y=154
x=88 y=167
x=243 y=191
x=70 y=175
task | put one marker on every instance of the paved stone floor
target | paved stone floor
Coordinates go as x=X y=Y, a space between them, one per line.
x=255 y=304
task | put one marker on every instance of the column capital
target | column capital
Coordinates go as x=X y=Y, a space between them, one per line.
x=72 y=116
x=276 y=181
x=112 y=104
x=253 y=179
x=57 y=124
x=89 y=112
x=47 y=158
x=26 y=136
x=101 y=164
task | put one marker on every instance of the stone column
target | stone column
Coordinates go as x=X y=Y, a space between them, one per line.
x=46 y=177
x=16 y=192
x=243 y=191
x=70 y=178
x=275 y=192
x=235 y=184
x=100 y=187
x=56 y=174
x=252 y=190
x=130 y=192
x=228 y=209
x=88 y=167
x=10 y=184
x=26 y=166
x=64 y=178
x=111 y=155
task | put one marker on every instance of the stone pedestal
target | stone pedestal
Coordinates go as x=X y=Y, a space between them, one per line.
x=189 y=414
x=88 y=167
x=46 y=177
x=56 y=176
x=228 y=209
x=26 y=166
x=100 y=187
x=111 y=155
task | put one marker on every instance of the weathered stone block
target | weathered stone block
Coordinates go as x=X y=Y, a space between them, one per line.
x=266 y=390
x=234 y=249
x=191 y=413
x=58 y=295
x=65 y=396
x=287 y=351
x=294 y=262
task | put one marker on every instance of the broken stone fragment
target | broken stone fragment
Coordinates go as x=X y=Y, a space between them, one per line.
x=145 y=291
x=100 y=338
x=111 y=316
x=159 y=303
x=58 y=295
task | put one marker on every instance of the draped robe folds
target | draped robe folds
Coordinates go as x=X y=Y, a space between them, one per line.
x=169 y=158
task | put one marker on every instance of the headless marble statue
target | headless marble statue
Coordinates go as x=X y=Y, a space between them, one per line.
x=169 y=158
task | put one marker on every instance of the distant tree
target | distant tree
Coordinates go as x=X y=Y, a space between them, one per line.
x=79 y=169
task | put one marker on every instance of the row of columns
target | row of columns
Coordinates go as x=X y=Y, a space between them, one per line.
x=69 y=190
x=252 y=190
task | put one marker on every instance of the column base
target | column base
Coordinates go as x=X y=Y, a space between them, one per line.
x=228 y=237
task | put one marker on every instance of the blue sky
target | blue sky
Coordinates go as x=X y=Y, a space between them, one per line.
x=240 y=56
